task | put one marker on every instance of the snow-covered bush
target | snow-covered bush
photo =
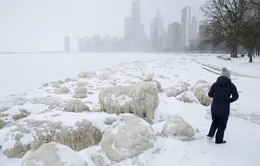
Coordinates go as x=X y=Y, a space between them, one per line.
x=176 y=126
x=22 y=136
x=80 y=92
x=129 y=139
x=54 y=154
x=187 y=97
x=176 y=90
x=76 y=106
x=62 y=90
x=140 y=99
x=200 y=90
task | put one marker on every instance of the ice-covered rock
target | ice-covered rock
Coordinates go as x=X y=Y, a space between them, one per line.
x=176 y=90
x=2 y=123
x=79 y=84
x=62 y=90
x=45 y=85
x=80 y=92
x=52 y=102
x=129 y=139
x=97 y=159
x=54 y=154
x=200 y=90
x=148 y=77
x=56 y=84
x=187 y=97
x=140 y=99
x=12 y=114
x=30 y=133
x=176 y=126
x=76 y=106
x=87 y=74
x=158 y=85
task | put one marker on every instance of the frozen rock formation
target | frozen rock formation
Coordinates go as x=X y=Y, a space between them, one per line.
x=12 y=114
x=140 y=99
x=187 y=97
x=200 y=90
x=176 y=126
x=80 y=92
x=176 y=90
x=148 y=77
x=22 y=136
x=87 y=74
x=54 y=154
x=129 y=139
x=76 y=106
x=62 y=90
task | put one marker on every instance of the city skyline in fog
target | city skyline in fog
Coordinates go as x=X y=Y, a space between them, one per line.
x=30 y=25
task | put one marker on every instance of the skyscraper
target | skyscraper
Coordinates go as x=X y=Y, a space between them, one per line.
x=67 y=44
x=174 y=36
x=194 y=28
x=134 y=29
x=186 y=26
x=157 y=32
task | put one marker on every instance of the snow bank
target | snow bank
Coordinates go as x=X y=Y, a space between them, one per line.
x=54 y=154
x=65 y=128
x=176 y=90
x=141 y=99
x=131 y=138
x=178 y=127
x=200 y=90
x=76 y=106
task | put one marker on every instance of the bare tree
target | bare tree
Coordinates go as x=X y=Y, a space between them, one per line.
x=225 y=20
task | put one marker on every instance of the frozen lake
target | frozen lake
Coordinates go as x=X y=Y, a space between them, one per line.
x=21 y=72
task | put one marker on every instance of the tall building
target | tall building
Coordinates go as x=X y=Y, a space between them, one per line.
x=134 y=29
x=67 y=44
x=186 y=26
x=128 y=27
x=174 y=36
x=194 y=28
x=157 y=32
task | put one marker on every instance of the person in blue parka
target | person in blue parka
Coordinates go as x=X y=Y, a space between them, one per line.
x=223 y=92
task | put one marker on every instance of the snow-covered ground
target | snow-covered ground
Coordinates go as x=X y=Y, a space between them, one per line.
x=41 y=93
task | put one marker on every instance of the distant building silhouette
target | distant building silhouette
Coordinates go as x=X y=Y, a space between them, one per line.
x=157 y=33
x=194 y=28
x=67 y=46
x=186 y=26
x=134 y=34
x=174 y=36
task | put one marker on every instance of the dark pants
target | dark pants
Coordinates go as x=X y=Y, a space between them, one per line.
x=218 y=123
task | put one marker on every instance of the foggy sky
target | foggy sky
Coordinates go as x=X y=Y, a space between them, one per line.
x=40 y=25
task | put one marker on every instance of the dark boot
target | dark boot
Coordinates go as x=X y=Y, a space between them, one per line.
x=223 y=142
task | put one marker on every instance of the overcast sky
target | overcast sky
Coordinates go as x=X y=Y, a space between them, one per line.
x=40 y=25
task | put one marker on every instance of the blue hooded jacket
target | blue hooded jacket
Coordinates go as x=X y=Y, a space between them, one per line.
x=223 y=92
